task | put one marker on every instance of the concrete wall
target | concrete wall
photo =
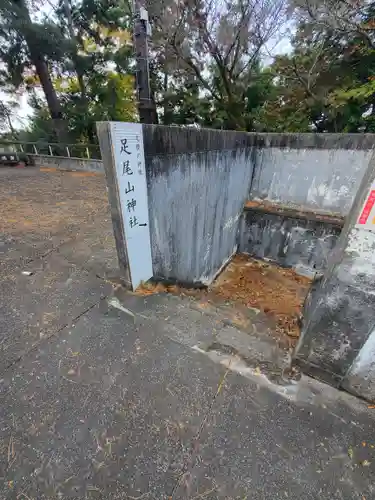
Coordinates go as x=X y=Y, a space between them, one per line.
x=339 y=316
x=299 y=240
x=337 y=340
x=359 y=274
x=198 y=181
x=65 y=163
x=317 y=171
x=361 y=375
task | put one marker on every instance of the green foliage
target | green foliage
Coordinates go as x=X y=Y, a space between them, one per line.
x=327 y=82
x=207 y=65
x=110 y=96
x=87 y=56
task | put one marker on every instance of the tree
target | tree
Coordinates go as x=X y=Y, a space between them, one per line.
x=102 y=88
x=326 y=83
x=110 y=96
x=217 y=46
x=6 y=114
x=91 y=78
x=26 y=44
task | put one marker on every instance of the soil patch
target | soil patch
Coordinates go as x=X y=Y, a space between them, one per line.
x=278 y=292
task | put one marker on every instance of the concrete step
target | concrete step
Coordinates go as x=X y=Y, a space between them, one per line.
x=225 y=333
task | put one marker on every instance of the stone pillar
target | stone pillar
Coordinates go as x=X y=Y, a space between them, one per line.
x=122 y=149
x=339 y=313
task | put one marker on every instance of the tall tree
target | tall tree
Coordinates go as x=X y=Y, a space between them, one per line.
x=219 y=45
x=7 y=110
x=26 y=44
x=326 y=82
x=102 y=87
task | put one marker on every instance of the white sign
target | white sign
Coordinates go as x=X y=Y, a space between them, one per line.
x=366 y=219
x=127 y=144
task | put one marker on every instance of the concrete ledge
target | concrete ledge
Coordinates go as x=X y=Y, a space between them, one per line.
x=172 y=140
x=316 y=141
x=295 y=212
x=66 y=163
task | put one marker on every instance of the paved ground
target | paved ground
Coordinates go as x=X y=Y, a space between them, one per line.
x=109 y=395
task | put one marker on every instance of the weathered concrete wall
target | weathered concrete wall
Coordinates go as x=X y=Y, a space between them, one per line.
x=65 y=163
x=291 y=239
x=317 y=171
x=360 y=267
x=361 y=376
x=340 y=312
x=198 y=181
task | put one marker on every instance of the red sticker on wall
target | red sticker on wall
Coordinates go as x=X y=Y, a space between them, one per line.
x=369 y=204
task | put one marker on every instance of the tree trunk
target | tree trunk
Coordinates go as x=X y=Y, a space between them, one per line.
x=165 y=103
x=42 y=71
x=51 y=97
x=10 y=125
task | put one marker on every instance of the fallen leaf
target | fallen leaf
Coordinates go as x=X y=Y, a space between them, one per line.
x=365 y=463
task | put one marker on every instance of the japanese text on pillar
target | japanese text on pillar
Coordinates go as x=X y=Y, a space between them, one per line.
x=131 y=193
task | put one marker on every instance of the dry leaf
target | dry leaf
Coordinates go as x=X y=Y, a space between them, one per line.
x=365 y=463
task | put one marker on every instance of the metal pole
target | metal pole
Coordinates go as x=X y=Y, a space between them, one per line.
x=146 y=103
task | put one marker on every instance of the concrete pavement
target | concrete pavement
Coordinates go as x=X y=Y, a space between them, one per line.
x=110 y=395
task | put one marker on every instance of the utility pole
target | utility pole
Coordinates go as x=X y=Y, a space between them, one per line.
x=141 y=32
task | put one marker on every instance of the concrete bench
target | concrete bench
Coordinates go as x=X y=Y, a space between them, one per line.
x=14 y=158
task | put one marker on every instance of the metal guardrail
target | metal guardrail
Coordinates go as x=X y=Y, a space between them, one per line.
x=81 y=151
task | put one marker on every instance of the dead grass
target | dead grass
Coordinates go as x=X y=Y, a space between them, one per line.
x=276 y=291
x=51 y=201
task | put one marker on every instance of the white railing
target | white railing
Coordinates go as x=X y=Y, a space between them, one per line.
x=82 y=151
